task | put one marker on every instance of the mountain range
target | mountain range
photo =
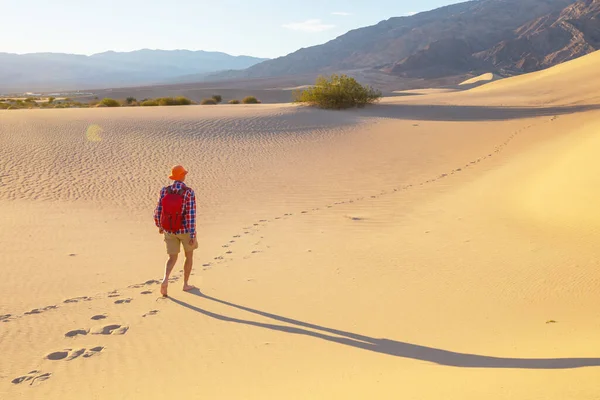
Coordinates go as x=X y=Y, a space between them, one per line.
x=503 y=36
x=442 y=46
x=55 y=71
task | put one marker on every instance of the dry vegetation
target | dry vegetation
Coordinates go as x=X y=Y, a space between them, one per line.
x=17 y=103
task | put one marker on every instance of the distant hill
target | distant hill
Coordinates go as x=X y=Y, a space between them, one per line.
x=53 y=71
x=501 y=36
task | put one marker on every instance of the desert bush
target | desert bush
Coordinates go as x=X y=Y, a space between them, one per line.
x=149 y=103
x=4 y=106
x=217 y=98
x=208 y=102
x=170 y=101
x=106 y=102
x=167 y=101
x=338 y=92
x=183 y=101
x=51 y=99
x=250 y=100
x=130 y=100
x=234 y=101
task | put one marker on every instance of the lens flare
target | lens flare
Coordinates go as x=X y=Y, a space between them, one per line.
x=93 y=133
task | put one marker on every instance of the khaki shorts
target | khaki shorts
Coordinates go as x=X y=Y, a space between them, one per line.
x=174 y=243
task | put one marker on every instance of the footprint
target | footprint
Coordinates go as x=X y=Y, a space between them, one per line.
x=98 y=317
x=67 y=355
x=123 y=301
x=93 y=351
x=77 y=299
x=149 y=313
x=40 y=310
x=110 y=330
x=32 y=377
x=5 y=317
x=77 y=332
x=146 y=292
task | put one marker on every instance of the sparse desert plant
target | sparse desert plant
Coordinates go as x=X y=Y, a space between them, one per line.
x=170 y=101
x=250 y=100
x=234 y=101
x=337 y=92
x=4 y=106
x=183 y=101
x=217 y=98
x=130 y=100
x=51 y=99
x=208 y=102
x=107 y=102
x=149 y=103
x=166 y=101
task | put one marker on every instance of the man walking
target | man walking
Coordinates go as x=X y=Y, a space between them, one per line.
x=175 y=217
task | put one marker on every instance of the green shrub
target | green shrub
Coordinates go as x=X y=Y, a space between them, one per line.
x=217 y=98
x=110 y=103
x=149 y=103
x=183 y=101
x=234 y=101
x=130 y=100
x=4 y=106
x=51 y=99
x=208 y=102
x=167 y=101
x=338 y=92
x=250 y=100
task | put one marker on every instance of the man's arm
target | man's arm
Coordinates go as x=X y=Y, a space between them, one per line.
x=190 y=215
x=158 y=209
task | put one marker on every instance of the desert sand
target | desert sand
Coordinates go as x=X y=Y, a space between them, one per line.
x=442 y=246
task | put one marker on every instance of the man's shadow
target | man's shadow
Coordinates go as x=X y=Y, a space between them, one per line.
x=388 y=346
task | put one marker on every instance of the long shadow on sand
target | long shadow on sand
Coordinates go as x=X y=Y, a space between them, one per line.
x=391 y=347
x=457 y=113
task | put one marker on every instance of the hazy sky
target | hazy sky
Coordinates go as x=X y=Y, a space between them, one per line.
x=263 y=28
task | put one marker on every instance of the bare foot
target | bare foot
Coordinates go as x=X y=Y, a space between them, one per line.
x=187 y=288
x=163 y=288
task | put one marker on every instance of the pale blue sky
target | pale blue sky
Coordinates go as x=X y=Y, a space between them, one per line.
x=262 y=28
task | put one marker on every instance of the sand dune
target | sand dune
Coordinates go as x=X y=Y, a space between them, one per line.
x=574 y=82
x=481 y=79
x=435 y=246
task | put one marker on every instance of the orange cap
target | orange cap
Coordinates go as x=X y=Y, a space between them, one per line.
x=177 y=173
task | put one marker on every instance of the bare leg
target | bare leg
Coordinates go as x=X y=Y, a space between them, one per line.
x=168 y=269
x=187 y=270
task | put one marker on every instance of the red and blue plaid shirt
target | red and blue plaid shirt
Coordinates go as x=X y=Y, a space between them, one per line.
x=189 y=209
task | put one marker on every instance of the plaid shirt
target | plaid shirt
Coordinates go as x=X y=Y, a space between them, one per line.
x=189 y=209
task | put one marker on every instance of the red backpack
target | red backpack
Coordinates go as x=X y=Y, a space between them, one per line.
x=171 y=216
